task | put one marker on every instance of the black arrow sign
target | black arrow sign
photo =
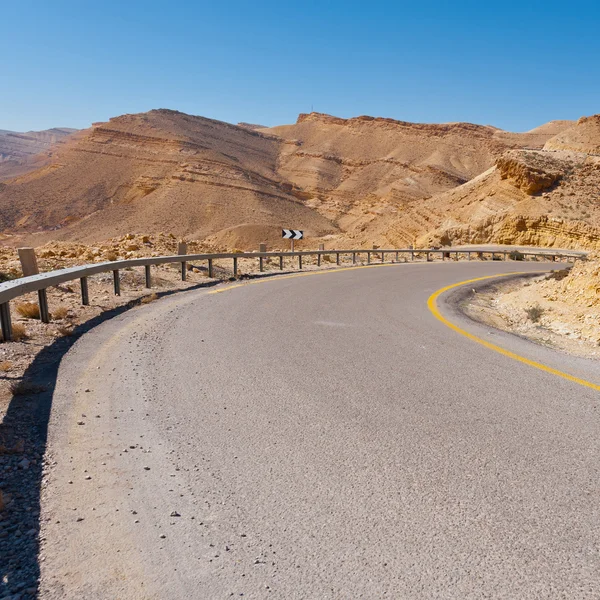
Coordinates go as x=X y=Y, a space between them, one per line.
x=292 y=234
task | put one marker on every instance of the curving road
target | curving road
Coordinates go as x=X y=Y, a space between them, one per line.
x=320 y=437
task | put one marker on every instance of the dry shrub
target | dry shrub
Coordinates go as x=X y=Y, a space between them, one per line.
x=19 y=332
x=65 y=331
x=25 y=388
x=151 y=298
x=558 y=275
x=534 y=313
x=5 y=366
x=111 y=256
x=60 y=312
x=29 y=310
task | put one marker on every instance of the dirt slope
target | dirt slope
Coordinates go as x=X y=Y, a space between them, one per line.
x=23 y=152
x=156 y=171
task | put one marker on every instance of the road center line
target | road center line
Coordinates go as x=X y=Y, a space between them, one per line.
x=432 y=304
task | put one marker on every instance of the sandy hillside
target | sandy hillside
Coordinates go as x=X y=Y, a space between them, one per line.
x=547 y=197
x=157 y=171
x=583 y=136
x=23 y=152
x=341 y=180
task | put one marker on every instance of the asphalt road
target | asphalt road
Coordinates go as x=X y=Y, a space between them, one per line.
x=320 y=437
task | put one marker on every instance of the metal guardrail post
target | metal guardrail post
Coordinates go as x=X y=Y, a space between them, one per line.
x=412 y=255
x=235 y=266
x=5 y=322
x=397 y=260
x=260 y=263
x=300 y=261
x=43 y=304
x=211 y=273
x=281 y=262
x=337 y=259
x=263 y=248
x=116 y=282
x=368 y=258
x=85 y=296
x=182 y=249
x=383 y=257
x=148 y=276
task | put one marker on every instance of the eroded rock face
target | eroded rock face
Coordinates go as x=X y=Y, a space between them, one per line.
x=531 y=172
x=543 y=231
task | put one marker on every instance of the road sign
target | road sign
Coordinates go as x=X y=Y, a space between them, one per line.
x=292 y=234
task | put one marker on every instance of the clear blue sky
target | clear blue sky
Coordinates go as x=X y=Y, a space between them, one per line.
x=510 y=64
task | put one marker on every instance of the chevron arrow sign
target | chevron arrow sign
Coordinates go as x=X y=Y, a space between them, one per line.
x=292 y=234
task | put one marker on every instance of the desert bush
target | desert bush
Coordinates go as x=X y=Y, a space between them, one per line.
x=558 y=275
x=151 y=298
x=5 y=366
x=516 y=255
x=534 y=313
x=60 y=312
x=6 y=276
x=29 y=310
x=25 y=388
x=19 y=332
x=111 y=256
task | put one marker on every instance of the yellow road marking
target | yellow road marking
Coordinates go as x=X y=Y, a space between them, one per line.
x=433 y=307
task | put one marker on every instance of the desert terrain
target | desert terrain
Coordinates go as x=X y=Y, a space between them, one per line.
x=23 y=152
x=136 y=185
x=345 y=182
x=560 y=310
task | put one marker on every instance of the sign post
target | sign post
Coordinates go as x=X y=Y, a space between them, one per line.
x=292 y=234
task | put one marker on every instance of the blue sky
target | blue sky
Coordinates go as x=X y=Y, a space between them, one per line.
x=510 y=64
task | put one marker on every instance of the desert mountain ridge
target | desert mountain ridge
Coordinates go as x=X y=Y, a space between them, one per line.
x=22 y=152
x=346 y=182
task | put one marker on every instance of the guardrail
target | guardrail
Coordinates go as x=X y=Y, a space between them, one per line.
x=39 y=283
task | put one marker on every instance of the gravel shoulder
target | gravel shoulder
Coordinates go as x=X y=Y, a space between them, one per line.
x=534 y=307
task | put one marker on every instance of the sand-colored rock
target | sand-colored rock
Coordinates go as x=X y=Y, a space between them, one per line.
x=531 y=172
x=496 y=207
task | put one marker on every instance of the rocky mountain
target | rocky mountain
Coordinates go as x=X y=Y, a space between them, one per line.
x=344 y=181
x=584 y=136
x=547 y=197
x=20 y=152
